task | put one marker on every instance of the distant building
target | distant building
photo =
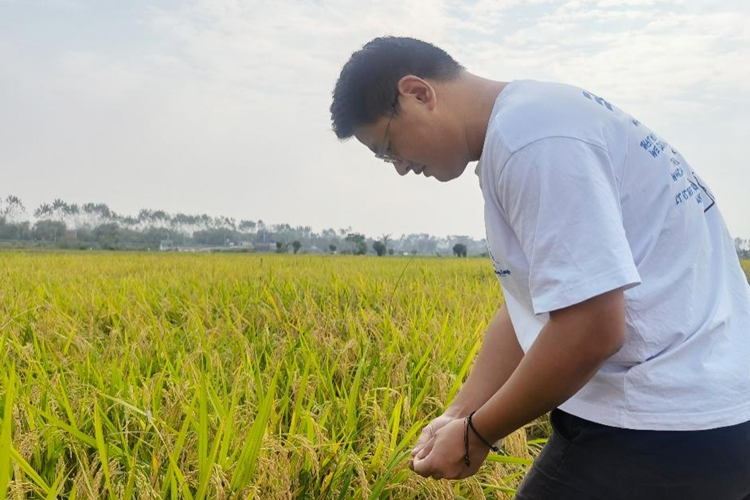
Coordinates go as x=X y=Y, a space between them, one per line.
x=166 y=245
x=265 y=247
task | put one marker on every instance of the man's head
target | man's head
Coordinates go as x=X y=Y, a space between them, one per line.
x=394 y=96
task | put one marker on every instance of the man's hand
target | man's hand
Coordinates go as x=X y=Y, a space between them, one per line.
x=443 y=456
x=430 y=429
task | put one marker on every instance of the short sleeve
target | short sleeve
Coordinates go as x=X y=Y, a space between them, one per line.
x=561 y=198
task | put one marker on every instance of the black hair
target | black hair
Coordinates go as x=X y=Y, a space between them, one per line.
x=368 y=83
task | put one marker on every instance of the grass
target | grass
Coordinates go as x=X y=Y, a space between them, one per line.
x=237 y=376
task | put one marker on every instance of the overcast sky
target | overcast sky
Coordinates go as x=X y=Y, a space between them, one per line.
x=222 y=107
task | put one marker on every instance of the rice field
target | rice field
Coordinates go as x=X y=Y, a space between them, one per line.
x=238 y=376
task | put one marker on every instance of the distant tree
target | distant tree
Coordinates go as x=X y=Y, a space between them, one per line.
x=183 y=224
x=247 y=226
x=13 y=209
x=10 y=231
x=353 y=238
x=49 y=230
x=228 y=222
x=358 y=242
x=282 y=247
x=742 y=247
x=379 y=248
x=43 y=211
x=296 y=245
x=205 y=221
x=59 y=209
x=390 y=251
x=385 y=239
x=459 y=250
x=332 y=248
x=97 y=214
x=414 y=251
x=71 y=214
x=153 y=236
x=108 y=235
x=262 y=232
x=161 y=219
x=213 y=236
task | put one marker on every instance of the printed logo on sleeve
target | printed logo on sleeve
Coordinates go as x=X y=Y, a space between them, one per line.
x=496 y=265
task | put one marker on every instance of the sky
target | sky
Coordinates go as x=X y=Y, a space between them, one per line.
x=222 y=106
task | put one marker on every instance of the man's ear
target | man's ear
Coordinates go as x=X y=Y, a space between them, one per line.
x=418 y=88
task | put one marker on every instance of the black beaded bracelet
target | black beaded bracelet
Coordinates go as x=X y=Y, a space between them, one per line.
x=467 y=461
x=493 y=448
x=466 y=443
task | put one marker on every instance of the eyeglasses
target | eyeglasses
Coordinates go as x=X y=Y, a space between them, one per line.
x=384 y=153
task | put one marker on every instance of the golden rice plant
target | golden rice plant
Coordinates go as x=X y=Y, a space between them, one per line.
x=237 y=376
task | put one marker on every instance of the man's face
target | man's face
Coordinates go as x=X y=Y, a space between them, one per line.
x=422 y=137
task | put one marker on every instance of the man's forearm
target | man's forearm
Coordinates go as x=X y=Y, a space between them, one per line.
x=565 y=356
x=498 y=358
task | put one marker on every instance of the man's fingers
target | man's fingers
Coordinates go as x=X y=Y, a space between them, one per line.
x=422 y=441
x=423 y=467
x=421 y=446
x=427 y=449
x=417 y=451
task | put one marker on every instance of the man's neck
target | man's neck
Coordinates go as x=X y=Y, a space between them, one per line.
x=478 y=96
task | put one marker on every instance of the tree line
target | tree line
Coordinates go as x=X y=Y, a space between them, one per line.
x=97 y=226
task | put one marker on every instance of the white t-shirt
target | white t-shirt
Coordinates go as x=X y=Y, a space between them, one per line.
x=581 y=198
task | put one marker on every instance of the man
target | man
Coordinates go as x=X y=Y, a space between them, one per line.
x=626 y=311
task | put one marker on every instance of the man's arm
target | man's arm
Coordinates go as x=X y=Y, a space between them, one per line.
x=568 y=352
x=498 y=358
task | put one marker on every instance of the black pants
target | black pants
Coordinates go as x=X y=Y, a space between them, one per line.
x=585 y=460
